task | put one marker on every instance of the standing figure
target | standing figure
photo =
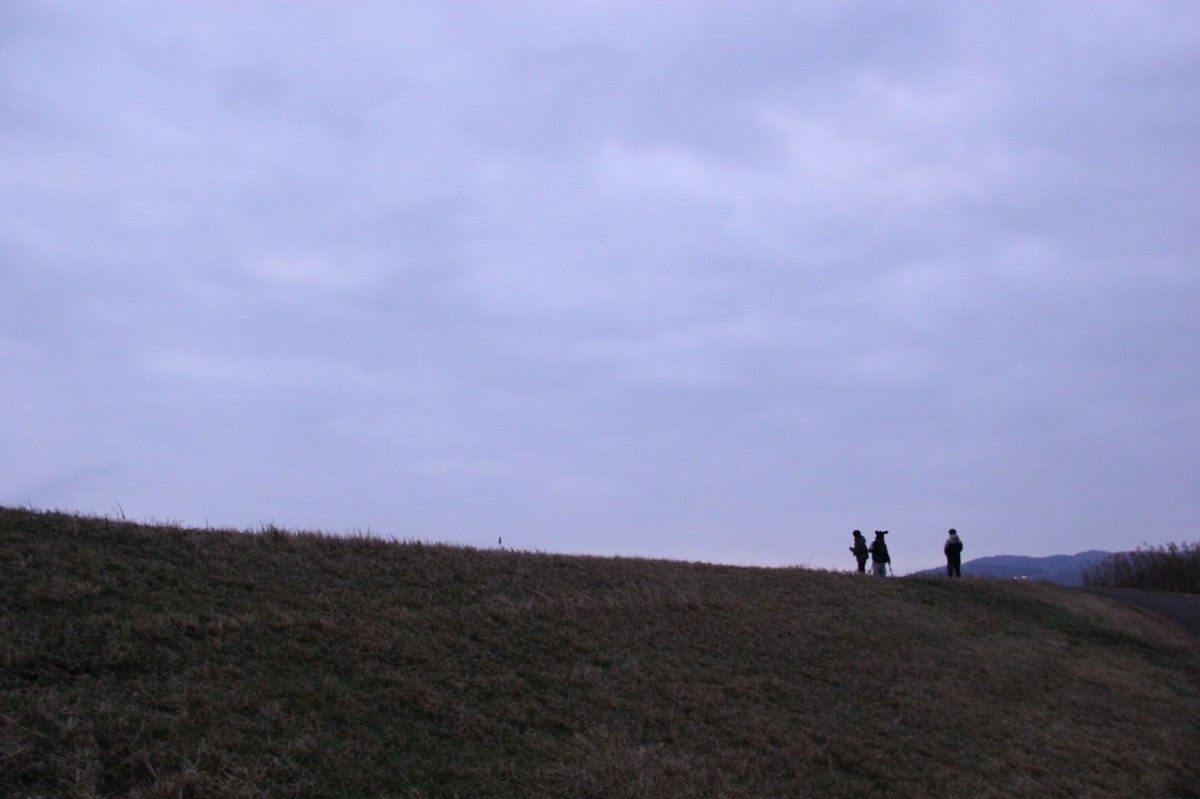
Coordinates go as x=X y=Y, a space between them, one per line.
x=879 y=554
x=860 y=551
x=953 y=550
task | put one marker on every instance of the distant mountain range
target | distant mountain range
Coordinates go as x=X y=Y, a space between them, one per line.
x=1061 y=569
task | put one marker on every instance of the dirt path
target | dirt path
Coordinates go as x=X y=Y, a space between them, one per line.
x=1183 y=609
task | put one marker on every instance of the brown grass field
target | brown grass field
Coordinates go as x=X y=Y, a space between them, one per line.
x=157 y=661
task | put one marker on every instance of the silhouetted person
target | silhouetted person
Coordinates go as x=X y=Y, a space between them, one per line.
x=879 y=554
x=860 y=551
x=953 y=550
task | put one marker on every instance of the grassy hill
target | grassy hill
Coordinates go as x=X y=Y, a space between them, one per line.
x=164 y=662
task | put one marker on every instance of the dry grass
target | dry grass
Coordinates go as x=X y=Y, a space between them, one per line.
x=1175 y=567
x=162 y=662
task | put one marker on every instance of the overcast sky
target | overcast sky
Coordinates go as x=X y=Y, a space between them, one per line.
x=711 y=281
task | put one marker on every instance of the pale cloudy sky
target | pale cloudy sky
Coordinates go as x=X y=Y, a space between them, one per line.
x=701 y=280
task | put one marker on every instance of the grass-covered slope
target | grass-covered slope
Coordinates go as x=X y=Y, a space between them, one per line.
x=163 y=662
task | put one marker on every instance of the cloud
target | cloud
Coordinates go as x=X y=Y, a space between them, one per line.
x=699 y=281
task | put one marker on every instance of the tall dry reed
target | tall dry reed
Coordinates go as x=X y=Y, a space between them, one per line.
x=1174 y=567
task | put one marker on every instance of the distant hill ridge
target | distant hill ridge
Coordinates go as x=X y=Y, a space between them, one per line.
x=1060 y=569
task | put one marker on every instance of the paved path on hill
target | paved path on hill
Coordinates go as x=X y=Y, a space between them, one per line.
x=1183 y=609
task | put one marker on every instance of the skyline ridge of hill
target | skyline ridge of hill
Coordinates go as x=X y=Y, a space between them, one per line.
x=1059 y=569
x=161 y=661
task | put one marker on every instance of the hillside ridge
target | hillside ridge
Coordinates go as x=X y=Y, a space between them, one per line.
x=157 y=661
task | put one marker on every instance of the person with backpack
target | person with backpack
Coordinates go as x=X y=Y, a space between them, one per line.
x=860 y=551
x=953 y=549
x=879 y=554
